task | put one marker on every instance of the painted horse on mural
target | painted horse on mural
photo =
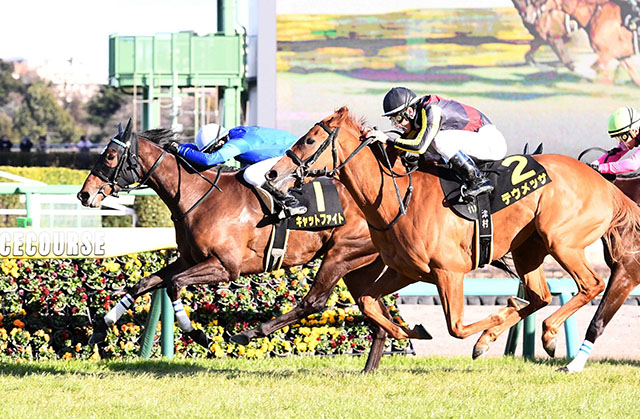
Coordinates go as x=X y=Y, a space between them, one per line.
x=216 y=217
x=551 y=27
x=614 y=42
x=421 y=238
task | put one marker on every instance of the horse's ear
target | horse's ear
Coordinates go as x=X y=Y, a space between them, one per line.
x=120 y=131
x=127 y=131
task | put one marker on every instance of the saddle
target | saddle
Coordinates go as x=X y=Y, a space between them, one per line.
x=513 y=177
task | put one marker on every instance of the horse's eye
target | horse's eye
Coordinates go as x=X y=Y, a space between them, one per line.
x=111 y=157
x=310 y=140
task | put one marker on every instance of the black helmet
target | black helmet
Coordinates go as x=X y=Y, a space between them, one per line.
x=397 y=100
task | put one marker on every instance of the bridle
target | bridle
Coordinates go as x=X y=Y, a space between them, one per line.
x=303 y=168
x=129 y=171
x=128 y=168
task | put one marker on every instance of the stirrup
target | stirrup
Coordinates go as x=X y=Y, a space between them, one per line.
x=466 y=192
x=291 y=211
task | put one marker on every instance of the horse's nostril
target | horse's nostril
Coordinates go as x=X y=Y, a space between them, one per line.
x=271 y=175
x=83 y=196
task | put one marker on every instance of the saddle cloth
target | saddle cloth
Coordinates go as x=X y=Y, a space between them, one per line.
x=324 y=209
x=514 y=178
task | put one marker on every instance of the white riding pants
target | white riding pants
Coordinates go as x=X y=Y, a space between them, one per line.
x=486 y=144
x=254 y=174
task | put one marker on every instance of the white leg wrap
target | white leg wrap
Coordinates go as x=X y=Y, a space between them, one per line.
x=181 y=316
x=115 y=313
x=580 y=360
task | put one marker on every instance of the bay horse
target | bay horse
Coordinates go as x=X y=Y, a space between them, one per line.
x=608 y=37
x=547 y=27
x=432 y=244
x=219 y=238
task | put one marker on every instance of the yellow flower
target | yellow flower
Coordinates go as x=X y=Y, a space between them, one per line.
x=278 y=273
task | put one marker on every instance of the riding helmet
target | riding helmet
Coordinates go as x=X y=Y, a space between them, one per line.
x=623 y=120
x=208 y=134
x=397 y=100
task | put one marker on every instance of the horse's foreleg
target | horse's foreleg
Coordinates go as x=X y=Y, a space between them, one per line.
x=620 y=285
x=450 y=287
x=357 y=282
x=589 y=286
x=369 y=303
x=632 y=65
x=146 y=284
x=527 y=260
x=333 y=267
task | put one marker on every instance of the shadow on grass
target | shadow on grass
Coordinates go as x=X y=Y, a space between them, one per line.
x=167 y=368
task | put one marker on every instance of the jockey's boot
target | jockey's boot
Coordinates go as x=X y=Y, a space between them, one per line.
x=475 y=181
x=288 y=204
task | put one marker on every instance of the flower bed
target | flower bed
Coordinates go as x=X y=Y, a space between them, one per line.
x=46 y=307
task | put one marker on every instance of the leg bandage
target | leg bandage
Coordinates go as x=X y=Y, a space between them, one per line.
x=580 y=360
x=115 y=313
x=181 y=316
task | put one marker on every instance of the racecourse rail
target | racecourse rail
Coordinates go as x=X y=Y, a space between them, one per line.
x=565 y=288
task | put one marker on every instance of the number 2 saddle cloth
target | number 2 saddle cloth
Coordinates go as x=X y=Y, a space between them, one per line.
x=513 y=177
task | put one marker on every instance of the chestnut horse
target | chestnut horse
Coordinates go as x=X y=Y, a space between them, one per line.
x=609 y=38
x=432 y=244
x=547 y=27
x=619 y=287
x=218 y=238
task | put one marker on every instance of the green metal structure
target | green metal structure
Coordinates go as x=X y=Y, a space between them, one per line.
x=164 y=63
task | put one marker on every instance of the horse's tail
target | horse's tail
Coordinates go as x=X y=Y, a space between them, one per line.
x=624 y=229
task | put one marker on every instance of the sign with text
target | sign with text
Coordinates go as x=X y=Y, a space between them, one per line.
x=48 y=243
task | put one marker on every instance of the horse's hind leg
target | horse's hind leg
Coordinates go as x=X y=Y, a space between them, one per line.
x=528 y=260
x=624 y=278
x=211 y=271
x=589 y=286
x=146 y=284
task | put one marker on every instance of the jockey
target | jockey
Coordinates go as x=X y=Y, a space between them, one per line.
x=624 y=126
x=456 y=131
x=258 y=147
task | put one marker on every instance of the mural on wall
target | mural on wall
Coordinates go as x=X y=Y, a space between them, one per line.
x=530 y=67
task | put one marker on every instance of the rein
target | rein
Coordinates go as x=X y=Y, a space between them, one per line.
x=214 y=185
x=302 y=171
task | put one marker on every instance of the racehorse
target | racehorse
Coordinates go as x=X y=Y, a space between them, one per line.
x=218 y=235
x=620 y=283
x=547 y=26
x=609 y=38
x=432 y=244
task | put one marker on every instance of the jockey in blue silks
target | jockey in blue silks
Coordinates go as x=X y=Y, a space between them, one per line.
x=259 y=147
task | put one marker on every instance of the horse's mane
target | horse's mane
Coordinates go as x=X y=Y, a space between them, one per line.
x=350 y=119
x=162 y=136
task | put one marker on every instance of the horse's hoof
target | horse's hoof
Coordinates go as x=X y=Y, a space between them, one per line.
x=200 y=338
x=239 y=339
x=563 y=369
x=422 y=332
x=517 y=303
x=99 y=333
x=479 y=350
x=550 y=347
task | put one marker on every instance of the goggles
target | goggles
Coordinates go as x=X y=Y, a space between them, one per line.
x=623 y=138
